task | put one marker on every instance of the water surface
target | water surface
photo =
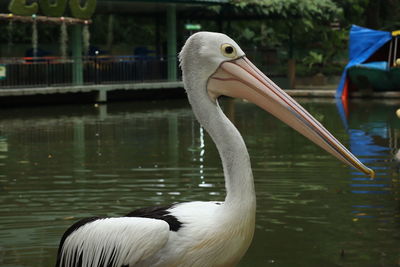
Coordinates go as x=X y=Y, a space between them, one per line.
x=61 y=164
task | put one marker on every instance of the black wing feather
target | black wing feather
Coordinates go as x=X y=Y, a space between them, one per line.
x=160 y=213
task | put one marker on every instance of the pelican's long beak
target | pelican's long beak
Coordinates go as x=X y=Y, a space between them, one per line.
x=240 y=78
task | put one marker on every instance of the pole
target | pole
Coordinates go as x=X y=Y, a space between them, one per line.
x=77 y=67
x=171 y=43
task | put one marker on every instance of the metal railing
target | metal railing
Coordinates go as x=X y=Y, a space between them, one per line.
x=57 y=71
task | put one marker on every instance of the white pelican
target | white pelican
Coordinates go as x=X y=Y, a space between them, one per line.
x=201 y=233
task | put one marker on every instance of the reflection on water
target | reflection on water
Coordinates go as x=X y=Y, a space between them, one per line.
x=60 y=164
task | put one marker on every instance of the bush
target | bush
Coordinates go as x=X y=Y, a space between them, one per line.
x=56 y=9
x=84 y=12
x=19 y=7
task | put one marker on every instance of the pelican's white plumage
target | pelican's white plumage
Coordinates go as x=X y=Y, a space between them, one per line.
x=200 y=233
x=111 y=240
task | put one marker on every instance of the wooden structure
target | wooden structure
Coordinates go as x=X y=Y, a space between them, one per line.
x=151 y=8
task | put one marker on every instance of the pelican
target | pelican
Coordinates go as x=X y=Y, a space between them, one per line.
x=201 y=233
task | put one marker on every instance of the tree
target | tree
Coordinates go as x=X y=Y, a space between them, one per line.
x=297 y=26
x=374 y=14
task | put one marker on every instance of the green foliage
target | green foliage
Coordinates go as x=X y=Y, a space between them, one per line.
x=20 y=7
x=313 y=58
x=258 y=34
x=382 y=14
x=55 y=9
x=82 y=12
x=300 y=26
x=248 y=34
x=353 y=11
x=308 y=9
x=269 y=38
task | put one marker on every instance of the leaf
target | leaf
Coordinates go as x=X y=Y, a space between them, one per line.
x=248 y=34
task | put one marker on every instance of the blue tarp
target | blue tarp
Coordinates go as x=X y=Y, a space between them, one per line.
x=376 y=65
x=363 y=43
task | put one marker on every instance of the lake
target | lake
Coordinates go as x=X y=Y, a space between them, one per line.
x=61 y=164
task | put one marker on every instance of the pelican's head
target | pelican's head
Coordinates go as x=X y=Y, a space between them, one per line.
x=204 y=52
x=214 y=65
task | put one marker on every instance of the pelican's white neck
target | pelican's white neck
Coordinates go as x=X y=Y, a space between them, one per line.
x=231 y=147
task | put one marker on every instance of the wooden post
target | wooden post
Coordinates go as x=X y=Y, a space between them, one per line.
x=44 y=19
x=291 y=61
x=292 y=73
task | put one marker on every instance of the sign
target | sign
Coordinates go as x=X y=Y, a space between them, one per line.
x=2 y=72
x=80 y=9
x=193 y=27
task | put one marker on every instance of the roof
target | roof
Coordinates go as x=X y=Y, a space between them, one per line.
x=151 y=7
x=173 y=1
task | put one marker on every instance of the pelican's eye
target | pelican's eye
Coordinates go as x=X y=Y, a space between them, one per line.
x=228 y=50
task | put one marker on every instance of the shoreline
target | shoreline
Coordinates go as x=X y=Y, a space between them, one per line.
x=143 y=91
